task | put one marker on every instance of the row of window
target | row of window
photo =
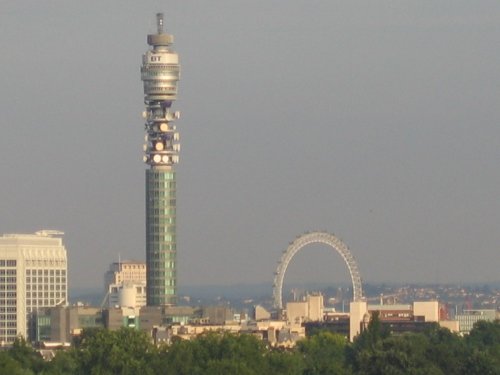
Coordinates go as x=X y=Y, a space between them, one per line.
x=10 y=272
x=8 y=295
x=138 y=289
x=8 y=317
x=10 y=279
x=167 y=185
x=45 y=280
x=43 y=302
x=159 y=238
x=162 y=266
x=162 y=247
x=9 y=332
x=4 y=286
x=162 y=291
x=165 y=176
x=159 y=194
x=46 y=262
x=162 y=256
x=158 y=69
x=166 y=274
x=164 y=220
x=167 y=211
x=45 y=294
x=157 y=229
x=8 y=309
x=8 y=324
x=45 y=272
x=8 y=263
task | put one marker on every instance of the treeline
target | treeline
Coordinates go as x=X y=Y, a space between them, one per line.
x=375 y=352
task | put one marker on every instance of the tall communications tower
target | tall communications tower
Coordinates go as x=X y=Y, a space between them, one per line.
x=160 y=73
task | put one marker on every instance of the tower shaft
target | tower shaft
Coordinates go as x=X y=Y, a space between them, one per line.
x=161 y=244
x=160 y=73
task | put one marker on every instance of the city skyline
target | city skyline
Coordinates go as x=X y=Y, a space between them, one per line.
x=376 y=123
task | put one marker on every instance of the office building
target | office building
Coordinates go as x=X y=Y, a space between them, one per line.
x=160 y=73
x=127 y=294
x=468 y=318
x=395 y=318
x=33 y=276
x=125 y=284
x=311 y=309
x=125 y=271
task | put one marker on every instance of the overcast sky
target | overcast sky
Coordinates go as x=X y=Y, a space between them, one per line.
x=378 y=121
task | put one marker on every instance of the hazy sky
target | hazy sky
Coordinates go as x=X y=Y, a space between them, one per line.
x=378 y=121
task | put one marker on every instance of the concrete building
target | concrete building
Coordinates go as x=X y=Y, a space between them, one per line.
x=127 y=294
x=160 y=73
x=260 y=313
x=357 y=318
x=468 y=318
x=125 y=271
x=33 y=276
x=116 y=318
x=217 y=314
x=305 y=311
x=395 y=318
x=426 y=310
x=125 y=284
x=422 y=311
x=69 y=321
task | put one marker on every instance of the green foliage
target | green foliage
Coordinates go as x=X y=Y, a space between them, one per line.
x=484 y=335
x=217 y=353
x=27 y=358
x=9 y=365
x=446 y=349
x=405 y=354
x=375 y=352
x=125 y=351
x=285 y=362
x=64 y=363
x=483 y=343
x=324 y=353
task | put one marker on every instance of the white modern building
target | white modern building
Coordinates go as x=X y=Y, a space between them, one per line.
x=125 y=284
x=125 y=271
x=468 y=318
x=33 y=276
x=127 y=294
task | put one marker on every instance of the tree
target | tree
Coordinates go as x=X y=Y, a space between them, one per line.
x=125 y=351
x=446 y=349
x=26 y=356
x=224 y=353
x=394 y=355
x=10 y=366
x=64 y=363
x=324 y=353
x=483 y=343
x=285 y=362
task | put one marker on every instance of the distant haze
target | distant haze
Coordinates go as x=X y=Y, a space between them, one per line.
x=377 y=121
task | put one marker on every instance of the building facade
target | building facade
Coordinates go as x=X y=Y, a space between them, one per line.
x=125 y=284
x=468 y=318
x=160 y=74
x=127 y=294
x=33 y=276
x=125 y=271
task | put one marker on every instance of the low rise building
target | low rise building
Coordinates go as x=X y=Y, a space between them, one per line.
x=468 y=318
